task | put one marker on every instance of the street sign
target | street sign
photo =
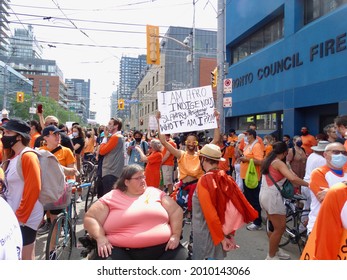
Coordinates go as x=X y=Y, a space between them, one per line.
x=228 y=85
x=32 y=110
x=227 y=102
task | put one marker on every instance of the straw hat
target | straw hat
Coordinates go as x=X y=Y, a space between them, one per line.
x=211 y=151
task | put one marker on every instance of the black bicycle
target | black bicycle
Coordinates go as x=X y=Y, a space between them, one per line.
x=90 y=170
x=297 y=218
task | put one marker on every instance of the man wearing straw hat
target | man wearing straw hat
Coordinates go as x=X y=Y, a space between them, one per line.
x=219 y=208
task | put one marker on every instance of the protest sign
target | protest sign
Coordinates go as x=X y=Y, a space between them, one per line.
x=152 y=123
x=186 y=110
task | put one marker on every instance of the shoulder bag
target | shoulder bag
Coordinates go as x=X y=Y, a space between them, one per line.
x=287 y=190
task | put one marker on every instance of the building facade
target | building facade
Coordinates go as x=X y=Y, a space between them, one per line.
x=78 y=97
x=130 y=70
x=4 y=30
x=24 y=44
x=287 y=62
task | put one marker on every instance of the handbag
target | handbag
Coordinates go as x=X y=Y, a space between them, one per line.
x=287 y=190
x=251 y=179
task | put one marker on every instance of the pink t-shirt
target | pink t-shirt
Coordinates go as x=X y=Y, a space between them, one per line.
x=136 y=222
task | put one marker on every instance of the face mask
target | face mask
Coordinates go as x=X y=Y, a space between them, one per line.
x=75 y=134
x=9 y=141
x=338 y=161
x=88 y=135
x=299 y=143
x=138 y=139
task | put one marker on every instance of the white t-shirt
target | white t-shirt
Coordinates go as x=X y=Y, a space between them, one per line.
x=11 y=242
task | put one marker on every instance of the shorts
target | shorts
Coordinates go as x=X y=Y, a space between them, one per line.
x=28 y=235
x=167 y=171
x=271 y=200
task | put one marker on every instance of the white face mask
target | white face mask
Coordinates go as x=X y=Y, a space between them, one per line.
x=75 y=134
x=338 y=161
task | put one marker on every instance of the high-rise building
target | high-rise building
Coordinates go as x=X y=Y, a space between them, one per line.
x=3 y=26
x=130 y=70
x=78 y=97
x=24 y=44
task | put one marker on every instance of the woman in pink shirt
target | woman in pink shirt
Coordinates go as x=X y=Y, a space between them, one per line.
x=136 y=222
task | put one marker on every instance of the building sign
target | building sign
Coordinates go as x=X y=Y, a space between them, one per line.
x=317 y=51
x=228 y=85
x=186 y=110
x=227 y=102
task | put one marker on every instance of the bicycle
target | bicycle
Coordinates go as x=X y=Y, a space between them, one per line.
x=296 y=222
x=62 y=234
x=90 y=170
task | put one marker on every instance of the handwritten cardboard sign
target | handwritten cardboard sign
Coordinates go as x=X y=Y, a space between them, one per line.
x=186 y=110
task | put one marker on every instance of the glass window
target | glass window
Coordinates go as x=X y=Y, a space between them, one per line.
x=264 y=36
x=318 y=8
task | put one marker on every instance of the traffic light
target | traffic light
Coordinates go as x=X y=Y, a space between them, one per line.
x=121 y=104
x=153 y=47
x=20 y=96
x=214 y=77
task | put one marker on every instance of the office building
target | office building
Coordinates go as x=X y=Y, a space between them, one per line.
x=288 y=64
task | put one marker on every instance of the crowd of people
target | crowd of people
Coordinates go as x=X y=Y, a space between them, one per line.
x=150 y=185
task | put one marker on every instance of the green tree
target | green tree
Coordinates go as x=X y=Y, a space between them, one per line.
x=49 y=105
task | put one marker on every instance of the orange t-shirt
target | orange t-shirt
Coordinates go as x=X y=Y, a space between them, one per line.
x=189 y=165
x=152 y=171
x=307 y=142
x=33 y=139
x=257 y=152
x=327 y=240
x=170 y=159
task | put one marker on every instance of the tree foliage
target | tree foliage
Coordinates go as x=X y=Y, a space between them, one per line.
x=50 y=108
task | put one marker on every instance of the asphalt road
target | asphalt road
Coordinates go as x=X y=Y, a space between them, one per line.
x=253 y=244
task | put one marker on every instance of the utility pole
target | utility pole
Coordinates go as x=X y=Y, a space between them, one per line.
x=220 y=60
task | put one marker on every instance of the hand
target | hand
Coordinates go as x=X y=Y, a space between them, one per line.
x=216 y=114
x=244 y=159
x=321 y=195
x=173 y=242
x=158 y=115
x=228 y=244
x=104 y=247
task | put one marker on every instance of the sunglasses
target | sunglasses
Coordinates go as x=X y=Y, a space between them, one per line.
x=337 y=152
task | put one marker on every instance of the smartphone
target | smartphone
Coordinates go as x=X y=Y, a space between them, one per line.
x=39 y=108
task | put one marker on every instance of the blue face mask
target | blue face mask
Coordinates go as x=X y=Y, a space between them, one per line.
x=338 y=161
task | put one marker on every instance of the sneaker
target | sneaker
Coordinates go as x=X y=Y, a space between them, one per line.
x=282 y=255
x=254 y=227
x=44 y=229
x=268 y=258
x=79 y=199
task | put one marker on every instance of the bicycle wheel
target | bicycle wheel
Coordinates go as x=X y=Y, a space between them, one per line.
x=91 y=195
x=285 y=239
x=302 y=229
x=88 y=170
x=61 y=235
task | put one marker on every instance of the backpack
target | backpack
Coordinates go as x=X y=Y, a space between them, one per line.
x=53 y=183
